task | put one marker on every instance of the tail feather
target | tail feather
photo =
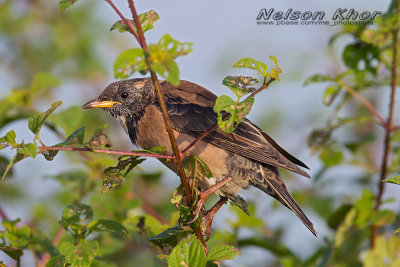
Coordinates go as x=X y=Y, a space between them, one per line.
x=274 y=186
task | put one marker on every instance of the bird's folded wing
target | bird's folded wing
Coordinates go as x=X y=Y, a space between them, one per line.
x=190 y=109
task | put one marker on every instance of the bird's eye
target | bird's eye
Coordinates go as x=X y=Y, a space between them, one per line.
x=124 y=95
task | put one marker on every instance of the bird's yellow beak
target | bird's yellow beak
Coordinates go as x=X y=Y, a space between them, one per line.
x=99 y=104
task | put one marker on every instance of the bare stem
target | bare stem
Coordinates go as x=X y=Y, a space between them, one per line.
x=43 y=149
x=388 y=131
x=128 y=25
x=365 y=102
x=178 y=160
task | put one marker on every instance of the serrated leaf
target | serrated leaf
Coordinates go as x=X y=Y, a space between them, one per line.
x=35 y=123
x=82 y=254
x=13 y=252
x=19 y=237
x=64 y=4
x=188 y=252
x=251 y=63
x=50 y=154
x=76 y=138
x=8 y=139
x=317 y=78
x=29 y=149
x=113 y=176
x=75 y=217
x=170 y=237
x=240 y=85
x=111 y=226
x=237 y=111
x=129 y=62
x=223 y=252
x=146 y=20
x=163 y=55
x=393 y=180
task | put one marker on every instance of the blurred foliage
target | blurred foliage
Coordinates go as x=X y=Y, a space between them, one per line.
x=133 y=222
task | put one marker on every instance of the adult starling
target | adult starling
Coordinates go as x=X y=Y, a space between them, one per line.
x=247 y=155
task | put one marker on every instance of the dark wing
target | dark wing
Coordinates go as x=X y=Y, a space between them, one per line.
x=190 y=111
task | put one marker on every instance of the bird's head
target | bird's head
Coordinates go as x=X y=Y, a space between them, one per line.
x=124 y=99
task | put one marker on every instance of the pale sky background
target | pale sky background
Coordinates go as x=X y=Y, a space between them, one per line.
x=223 y=32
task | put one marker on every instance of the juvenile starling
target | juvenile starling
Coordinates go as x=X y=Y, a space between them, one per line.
x=248 y=155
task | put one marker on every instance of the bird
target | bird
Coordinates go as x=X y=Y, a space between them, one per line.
x=248 y=155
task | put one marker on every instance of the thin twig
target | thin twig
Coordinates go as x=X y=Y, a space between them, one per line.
x=388 y=132
x=365 y=102
x=43 y=149
x=125 y=21
x=178 y=160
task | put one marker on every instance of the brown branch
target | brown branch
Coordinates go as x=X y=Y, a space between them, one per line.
x=125 y=21
x=178 y=160
x=365 y=102
x=43 y=149
x=388 y=131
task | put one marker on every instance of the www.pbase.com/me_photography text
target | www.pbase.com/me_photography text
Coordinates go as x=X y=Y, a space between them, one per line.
x=341 y=16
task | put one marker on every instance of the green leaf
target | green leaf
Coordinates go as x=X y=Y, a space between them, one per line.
x=396 y=231
x=239 y=85
x=43 y=80
x=195 y=167
x=57 y=261
x=330 y=94
x=81 y=255
x=188 y=252
x=64 y=4
x=163 y=54
x=360 y=57
x=146 y=20
x=111 y=226
x=19 y=237
x=331 y=156
x=74 y=180
x=75 y=218
x=50 y=154
x=113 y=176
x=251 y=63
x=222 y=252
x=8 y=139
x=170 y=237
x=14 y=253
x=237 y=111
x=317 y=78
x=129 y=62
x=393 y=180
x=35 y=123
x=376 y=38
x=76 y=138
x=29 y=149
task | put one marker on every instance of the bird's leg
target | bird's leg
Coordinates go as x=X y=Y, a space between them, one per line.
x=209 y=216
x=204 y=195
